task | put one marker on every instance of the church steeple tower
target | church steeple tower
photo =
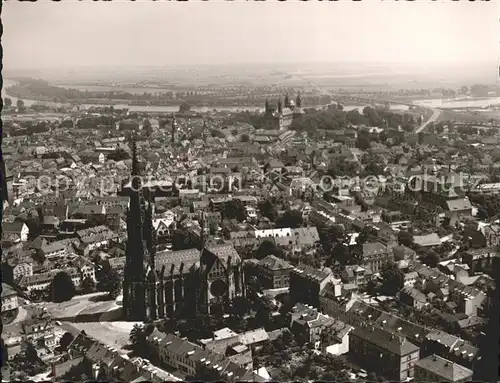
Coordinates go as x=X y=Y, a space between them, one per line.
x=134 y=300
x=267 y=106
x=202 y=231
x=205 y=131
x=174 y=128
x=287 y=101
x=153 y=288
x=298 y=101
x=280 y=106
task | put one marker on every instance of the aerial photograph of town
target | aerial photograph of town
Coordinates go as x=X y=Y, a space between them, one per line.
x=250 y=192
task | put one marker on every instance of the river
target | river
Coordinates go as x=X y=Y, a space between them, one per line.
x=430 y=103
x=447 y=103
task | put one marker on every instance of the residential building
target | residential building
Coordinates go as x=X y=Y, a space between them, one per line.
x=394 y=355
x=450 y=347
x=188 y=358
x=356 y=275
x=437 y=369
x=14 y=232
x=481 y=259
x=273 y=272
x=9 y=298
x=373 y=255
x=16 y=267
x=306 y=283
x=412 y=297
x=335 y=338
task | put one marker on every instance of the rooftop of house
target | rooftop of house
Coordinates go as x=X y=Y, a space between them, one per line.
x=386 y=340
x=274 y=263
x=8 y=291
x=444 y=368
x=427 y=240
x=308 y=271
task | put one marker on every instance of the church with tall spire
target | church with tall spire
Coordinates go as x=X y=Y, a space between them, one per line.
x=161 y=284
x=282 y=116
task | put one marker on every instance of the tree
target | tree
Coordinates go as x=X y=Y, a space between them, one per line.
x=364 y=236
x=182 y=240
x=405 y=238
x=329 y=236
x=109 y=280
x=239 y=306
x=431 y=258
x=205 y=374
x=119 y=154
x=20 y=104
x=213 y=227
x=268 y=210
x=62 y=287
x=7 y=102
x=137 y=337
x=80 y=372
x=268 y=248
x=31 y=353
x=292 y=219
x=88 y=285
x=66 y=340
x=184 y=107
x=235 y=209
x=393 y=278
x=245 y=138
x=363 y=141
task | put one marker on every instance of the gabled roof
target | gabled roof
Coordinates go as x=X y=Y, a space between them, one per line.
x=386 y=340
x=274 y=263
x=12 y=227
x=427 y=240
x=449 y=371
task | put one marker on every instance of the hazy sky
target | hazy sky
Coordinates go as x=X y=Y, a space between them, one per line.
x=146 y=33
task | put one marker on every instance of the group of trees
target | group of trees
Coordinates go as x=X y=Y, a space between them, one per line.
x=108 y=280
x=268 y=247
x=183 y=240
x=138 y=339
x=392 y=278
x=405 y=238
x=341 y=167
x=80 y=372
x=290 y=219
x=119 y=154
x=27 y=363
x=268 y=209
x=41 y=90
x=234 y=209
x=62 y=287
x=334 y=118
x=489 y=205
x=7 y=102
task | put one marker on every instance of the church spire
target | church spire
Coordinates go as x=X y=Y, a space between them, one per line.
x=205 y=131
x=149 y=232
x=135 y=162
x=287 y=101
x=280 y=106
x=267 y=105
x=202 y=231
x=174 y=128
x=298 y=101
x=134 y=302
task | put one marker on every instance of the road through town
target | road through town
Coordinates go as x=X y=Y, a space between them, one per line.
x=435 y=115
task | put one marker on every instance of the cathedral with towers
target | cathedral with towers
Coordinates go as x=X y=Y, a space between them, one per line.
x=280 y=117
x=161 y=284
